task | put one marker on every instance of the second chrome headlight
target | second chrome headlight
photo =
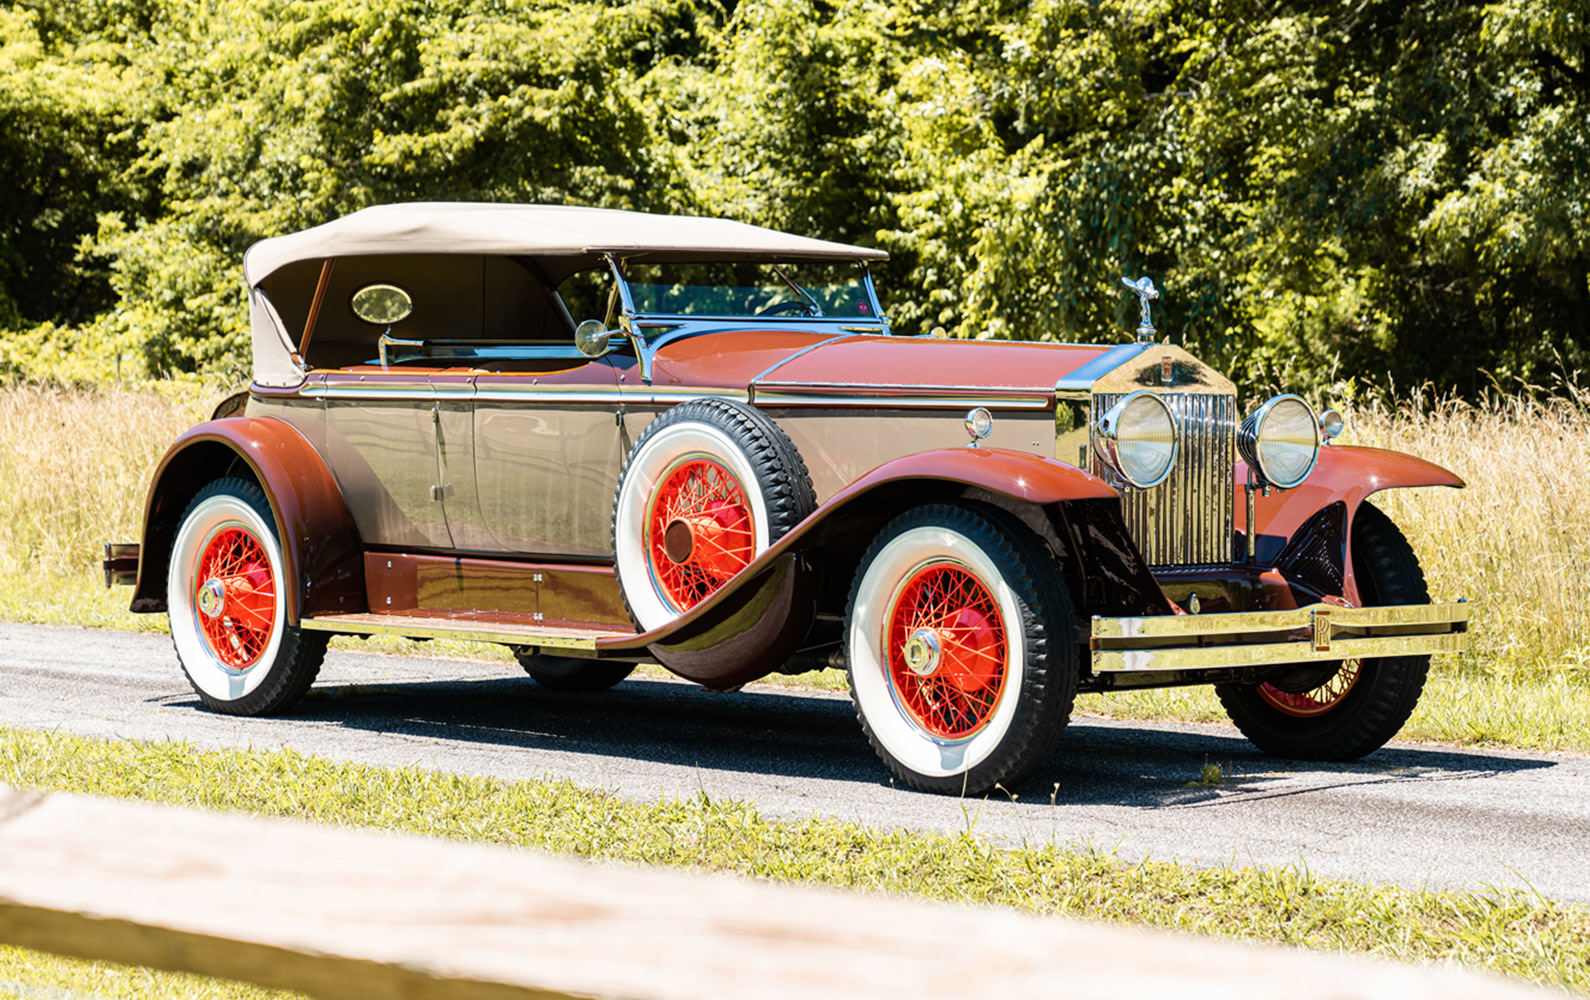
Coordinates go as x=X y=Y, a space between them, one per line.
x=1280 y=441
x=1137 y=438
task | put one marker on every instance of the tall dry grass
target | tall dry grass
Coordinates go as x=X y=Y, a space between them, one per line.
x=1516 y=540
x=75 y=465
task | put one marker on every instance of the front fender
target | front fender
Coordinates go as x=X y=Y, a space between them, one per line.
x=1345 y=473
x=321 y=549
x=753 y=624
x=1319 y=513
x=1018 y=475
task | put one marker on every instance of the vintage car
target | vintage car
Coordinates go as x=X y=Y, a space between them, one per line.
x=604 y=438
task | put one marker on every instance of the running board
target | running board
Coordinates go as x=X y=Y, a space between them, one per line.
x=476 y=628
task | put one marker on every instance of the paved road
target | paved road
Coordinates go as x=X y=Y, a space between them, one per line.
x=1409 y=814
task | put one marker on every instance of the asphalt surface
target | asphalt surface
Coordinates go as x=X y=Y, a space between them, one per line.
x=1410 y=814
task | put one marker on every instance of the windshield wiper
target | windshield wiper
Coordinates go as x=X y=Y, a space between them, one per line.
x=817 y=310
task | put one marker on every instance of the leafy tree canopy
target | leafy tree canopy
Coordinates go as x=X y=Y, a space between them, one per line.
x=1386 y=189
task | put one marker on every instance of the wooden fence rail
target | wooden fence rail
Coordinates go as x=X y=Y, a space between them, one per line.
x=340 y=913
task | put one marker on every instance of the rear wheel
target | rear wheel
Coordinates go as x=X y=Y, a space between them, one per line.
x=1343 y=711
x=226 y=597
x=960 y=648
x=571 y=673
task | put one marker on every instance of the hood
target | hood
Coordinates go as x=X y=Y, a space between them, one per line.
x=789 y=361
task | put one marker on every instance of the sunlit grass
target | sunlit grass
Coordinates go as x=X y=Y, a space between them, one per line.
x=1505 y=931
x=33 y=975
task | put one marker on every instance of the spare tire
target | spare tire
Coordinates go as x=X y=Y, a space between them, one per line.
x=708 y=486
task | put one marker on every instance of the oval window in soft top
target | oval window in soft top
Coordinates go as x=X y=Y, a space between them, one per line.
x=381 y=304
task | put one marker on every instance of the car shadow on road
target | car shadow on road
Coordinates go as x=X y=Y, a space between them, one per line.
x=811 y=735
x=1160 y=765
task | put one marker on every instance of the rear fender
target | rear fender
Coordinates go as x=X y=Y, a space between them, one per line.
x=321 y=549
x=1343 y=474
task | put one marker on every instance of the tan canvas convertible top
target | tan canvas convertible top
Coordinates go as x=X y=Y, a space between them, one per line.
x=536 y=231
x=561 y=239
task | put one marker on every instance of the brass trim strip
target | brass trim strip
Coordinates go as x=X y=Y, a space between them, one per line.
x=1279 y=621
x=1266 y=654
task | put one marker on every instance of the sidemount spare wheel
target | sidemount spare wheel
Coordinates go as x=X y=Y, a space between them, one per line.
x=226 y=597
x=708 y=486
x=960 y=642
x=1342 y=711
x=571 y=673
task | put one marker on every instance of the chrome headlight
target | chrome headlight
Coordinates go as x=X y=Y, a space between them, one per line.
x=1137 y=438
x=1280 y=441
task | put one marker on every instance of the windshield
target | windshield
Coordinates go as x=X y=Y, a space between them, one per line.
x=750 y=289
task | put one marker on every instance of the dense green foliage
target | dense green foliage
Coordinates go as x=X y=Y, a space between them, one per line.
x=1379 y=188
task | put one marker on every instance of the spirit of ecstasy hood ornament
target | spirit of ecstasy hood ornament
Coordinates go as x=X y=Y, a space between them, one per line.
x=1146 y=293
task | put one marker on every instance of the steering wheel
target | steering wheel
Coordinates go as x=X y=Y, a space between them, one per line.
x=780 y=308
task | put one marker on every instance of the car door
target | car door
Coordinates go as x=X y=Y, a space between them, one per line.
x=382 y=445
x=548 y=446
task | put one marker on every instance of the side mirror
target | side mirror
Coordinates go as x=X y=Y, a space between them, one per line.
x=591 y=338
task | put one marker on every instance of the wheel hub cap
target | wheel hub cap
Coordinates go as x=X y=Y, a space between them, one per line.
x=212 y=598
x=922 y=652
x=678 y=542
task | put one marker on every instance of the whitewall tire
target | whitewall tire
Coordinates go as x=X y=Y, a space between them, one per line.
x=960 y=650
x=708 y=486
x=226 y=598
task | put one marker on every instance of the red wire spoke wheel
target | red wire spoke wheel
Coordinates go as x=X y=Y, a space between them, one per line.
x=700 y=531
x=946 y=649
x=960 y=646
x=236 y=597
x=1306 y=704
x=226 y=597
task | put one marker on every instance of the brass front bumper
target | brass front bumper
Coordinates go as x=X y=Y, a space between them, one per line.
x=1319 y=632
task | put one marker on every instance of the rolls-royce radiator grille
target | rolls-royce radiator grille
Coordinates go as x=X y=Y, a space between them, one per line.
x=1185 y=522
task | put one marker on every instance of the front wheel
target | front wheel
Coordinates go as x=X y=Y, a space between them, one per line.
x=960 y=649
x=1343 y=711
x=226 y=597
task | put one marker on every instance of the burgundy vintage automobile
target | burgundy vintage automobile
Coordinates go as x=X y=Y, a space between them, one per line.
x=732 y=468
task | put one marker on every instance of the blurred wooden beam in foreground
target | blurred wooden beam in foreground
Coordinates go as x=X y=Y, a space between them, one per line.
x=342 y=913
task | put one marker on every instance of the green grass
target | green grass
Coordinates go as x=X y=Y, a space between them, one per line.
x=32 y=975
x=1504 y=931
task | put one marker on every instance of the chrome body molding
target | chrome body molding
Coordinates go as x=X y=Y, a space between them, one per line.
x=840 y=398
x=1317 y=633
x=893 y=387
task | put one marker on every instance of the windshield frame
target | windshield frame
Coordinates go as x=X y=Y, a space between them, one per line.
x=634 y=319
